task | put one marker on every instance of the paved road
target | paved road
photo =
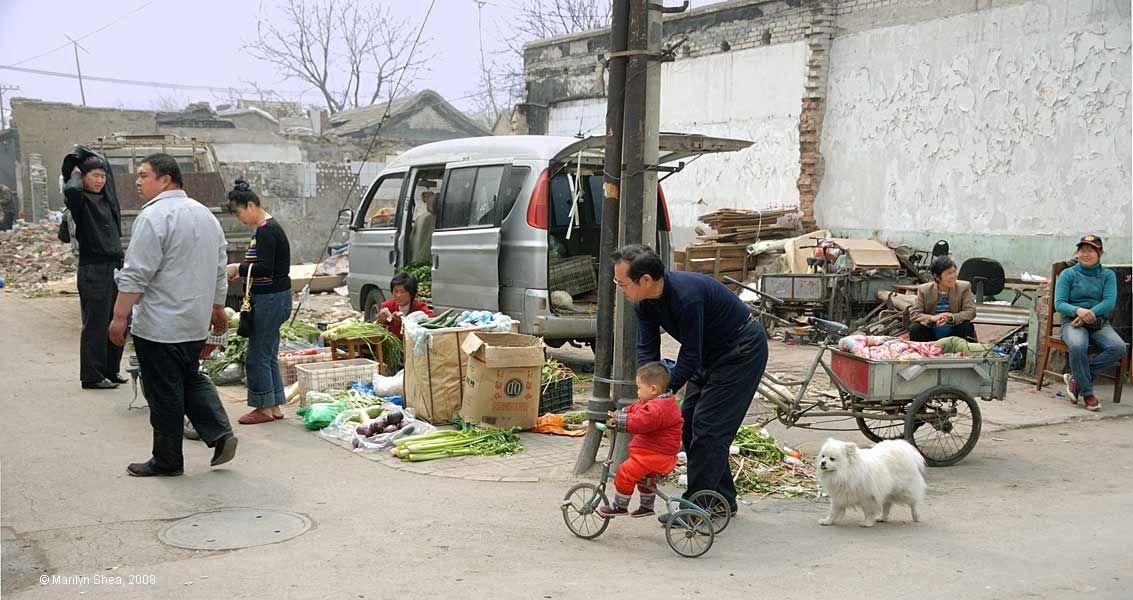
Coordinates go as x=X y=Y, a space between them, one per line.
x=1042 y=512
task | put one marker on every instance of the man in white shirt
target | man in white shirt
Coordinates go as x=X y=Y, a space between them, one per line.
x=174 y=281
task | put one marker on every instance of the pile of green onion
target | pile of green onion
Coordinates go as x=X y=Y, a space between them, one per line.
x=472 y=441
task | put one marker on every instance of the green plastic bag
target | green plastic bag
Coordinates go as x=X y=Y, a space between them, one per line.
x=318 y=416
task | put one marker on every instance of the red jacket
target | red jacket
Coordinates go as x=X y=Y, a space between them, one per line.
x=394 y=324
x=655 y=425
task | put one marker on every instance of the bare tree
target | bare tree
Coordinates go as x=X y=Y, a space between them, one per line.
x=501 y=82
x=352 y=55
x=170 y=101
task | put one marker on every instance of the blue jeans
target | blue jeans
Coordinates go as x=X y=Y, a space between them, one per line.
x=265 y=382
x=1084 y=368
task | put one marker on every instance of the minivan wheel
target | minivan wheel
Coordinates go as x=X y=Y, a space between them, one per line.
x=372 y=305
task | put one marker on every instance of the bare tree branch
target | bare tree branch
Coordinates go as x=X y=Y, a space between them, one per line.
x=341 y=50
x=501 y=82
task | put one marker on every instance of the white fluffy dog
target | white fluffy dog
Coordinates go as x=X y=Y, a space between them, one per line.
x=872 y=479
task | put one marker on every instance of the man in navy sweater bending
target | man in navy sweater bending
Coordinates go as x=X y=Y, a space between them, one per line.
x=722 y=358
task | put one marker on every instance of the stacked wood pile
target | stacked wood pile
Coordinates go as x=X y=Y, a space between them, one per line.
x=722 y=252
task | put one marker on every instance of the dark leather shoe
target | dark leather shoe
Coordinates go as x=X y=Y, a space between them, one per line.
x=148 y=469
x=225 y=450
x=105 y=384
x=118 y=378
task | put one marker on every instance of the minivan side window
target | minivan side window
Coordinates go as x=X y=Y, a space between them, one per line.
x=381 y=207
x=514 y=178
x=457 y=202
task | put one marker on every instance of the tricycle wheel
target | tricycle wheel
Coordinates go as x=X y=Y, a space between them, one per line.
x=716 y=505
x=944 y=425
x=879 y=430
x=580 y=511
x=689 y=533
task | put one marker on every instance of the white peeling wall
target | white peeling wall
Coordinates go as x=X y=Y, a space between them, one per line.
x=750 y=94
x=1007 y=122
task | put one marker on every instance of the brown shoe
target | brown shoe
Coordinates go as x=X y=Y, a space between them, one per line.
x=255 y=417
x=642 y=511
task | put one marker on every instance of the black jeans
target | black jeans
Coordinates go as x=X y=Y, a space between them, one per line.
x=716 y=400
x=921 y=333
x=175 y=388
x=99 y=358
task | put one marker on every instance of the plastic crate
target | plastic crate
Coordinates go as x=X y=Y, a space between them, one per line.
x=557 y=396
x=287 y=364
x=575 y=275
x=335 y=375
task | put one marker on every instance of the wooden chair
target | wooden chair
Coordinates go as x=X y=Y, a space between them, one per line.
x=1053 y=341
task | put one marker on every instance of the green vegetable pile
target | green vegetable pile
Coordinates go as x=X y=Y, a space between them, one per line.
x=752 y=443
x=423 y=273
x=235 y=351
x=441 y=321
x=351 y=329
x=298 y=331
x=554 y=370
x=472 y=441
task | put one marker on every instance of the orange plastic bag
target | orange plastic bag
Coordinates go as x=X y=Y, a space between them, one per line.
x=552 y=424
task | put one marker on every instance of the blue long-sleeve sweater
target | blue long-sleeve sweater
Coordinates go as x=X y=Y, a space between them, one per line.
x=1093 y=288
x=700 y=312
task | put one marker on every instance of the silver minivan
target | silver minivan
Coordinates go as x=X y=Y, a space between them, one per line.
x=491 y=217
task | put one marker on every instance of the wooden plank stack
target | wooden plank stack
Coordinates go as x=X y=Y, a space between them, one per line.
x=723 y=251
x=735 y=226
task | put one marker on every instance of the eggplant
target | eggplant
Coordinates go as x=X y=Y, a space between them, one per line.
x=394 y=417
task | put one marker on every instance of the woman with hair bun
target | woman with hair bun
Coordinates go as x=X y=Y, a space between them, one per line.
x=269 y=260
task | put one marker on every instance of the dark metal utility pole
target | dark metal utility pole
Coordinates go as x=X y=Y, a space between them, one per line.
x=633 y=179
x=602 y=400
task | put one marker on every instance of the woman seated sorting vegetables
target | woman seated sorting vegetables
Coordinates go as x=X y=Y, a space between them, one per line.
x=944 y=307
x=403 y=288
x=268 y=263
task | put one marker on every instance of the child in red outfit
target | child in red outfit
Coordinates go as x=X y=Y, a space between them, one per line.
x=655 y=422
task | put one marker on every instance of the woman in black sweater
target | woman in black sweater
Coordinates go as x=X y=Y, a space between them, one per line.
x=268 y=263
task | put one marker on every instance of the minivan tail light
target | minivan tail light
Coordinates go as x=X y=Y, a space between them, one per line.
x=665 y=224
x=537 y=209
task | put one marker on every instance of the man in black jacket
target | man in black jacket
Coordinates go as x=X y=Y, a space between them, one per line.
x=90 y=198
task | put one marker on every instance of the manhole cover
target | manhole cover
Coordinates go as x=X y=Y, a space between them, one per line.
x=234 y=528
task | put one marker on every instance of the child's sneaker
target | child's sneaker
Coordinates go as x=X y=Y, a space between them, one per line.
x=610 y=511
x=642 y=511
x=1071 y=388
x=1092 y=402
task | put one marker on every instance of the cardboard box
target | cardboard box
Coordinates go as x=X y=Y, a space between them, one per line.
x=503 y=379
x=434 y=381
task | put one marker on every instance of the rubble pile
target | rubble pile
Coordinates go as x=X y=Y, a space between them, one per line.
x=33 y=256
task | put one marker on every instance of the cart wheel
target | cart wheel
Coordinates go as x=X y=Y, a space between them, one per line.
x=580 y=511
x=879 y=430
x=689 y=533
x=944 y=425
x=716 y=505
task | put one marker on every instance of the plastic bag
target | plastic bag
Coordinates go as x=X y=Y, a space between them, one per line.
x=390 y=386
x=231 y=375
x=314 y=397
x=384 y=441
x=318 y=416
x=344 y=424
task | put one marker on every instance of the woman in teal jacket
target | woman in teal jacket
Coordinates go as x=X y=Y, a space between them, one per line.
x=1084 y=295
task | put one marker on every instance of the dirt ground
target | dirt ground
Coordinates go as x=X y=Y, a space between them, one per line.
x=1040 y=510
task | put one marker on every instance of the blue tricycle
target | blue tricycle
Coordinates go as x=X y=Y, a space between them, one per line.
x=692 y=524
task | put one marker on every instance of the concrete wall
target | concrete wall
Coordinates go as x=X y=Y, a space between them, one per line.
x=44 y=131
x=749 y=91
x=305 y=197
x=1005 y=131
x=9 y=155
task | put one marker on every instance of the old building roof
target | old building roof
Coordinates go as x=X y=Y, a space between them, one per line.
x=361 y=121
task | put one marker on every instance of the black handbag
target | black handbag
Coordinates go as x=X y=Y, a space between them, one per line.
x=246 y=328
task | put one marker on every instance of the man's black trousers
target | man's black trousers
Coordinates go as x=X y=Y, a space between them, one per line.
x=716 y=401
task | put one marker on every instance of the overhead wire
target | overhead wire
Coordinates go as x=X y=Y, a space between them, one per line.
x=374 y=138
x=86 y=35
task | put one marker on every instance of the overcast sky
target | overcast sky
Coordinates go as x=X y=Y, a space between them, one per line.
x=199 y=42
